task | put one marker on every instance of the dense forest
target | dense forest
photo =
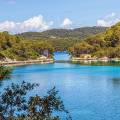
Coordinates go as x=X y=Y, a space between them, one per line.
x=62 y=39
x=78 y=41
x=16 y=48
x=105 y=44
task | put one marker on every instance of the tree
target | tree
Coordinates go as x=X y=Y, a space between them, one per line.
x=81 y=48
x=14 y=105
x=4 y=72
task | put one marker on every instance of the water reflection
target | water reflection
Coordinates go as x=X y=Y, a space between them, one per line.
x=116 y=82
x=98 y=63
x=61 y=56
x=1 y=82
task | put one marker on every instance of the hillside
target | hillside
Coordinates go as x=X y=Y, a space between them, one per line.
x=79 y=33
x=106 y=44
x=62 y=39
x=31 y=45
x=15 y=48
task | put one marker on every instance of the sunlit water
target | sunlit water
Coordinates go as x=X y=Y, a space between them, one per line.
x=88 y=92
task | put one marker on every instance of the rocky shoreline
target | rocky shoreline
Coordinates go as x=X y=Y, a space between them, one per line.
x=19 y=63
x=104 y=59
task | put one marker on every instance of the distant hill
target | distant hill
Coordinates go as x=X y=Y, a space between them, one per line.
x=79 y=33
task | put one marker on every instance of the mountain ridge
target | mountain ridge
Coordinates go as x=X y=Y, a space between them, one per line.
x=79 y=33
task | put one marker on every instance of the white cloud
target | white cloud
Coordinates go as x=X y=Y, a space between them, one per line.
x=7 y=26
x=66 y=23
x=108 y=20
x=36 y=23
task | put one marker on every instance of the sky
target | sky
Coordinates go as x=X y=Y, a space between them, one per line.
x=18 y=16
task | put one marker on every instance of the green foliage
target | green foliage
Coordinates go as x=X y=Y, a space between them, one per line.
x=106 y=44
x=5 y=72
x=15 y=106
x=62 y=39
x=79 y=33
x=31 y=45
x=15 y=47
x=81 y=48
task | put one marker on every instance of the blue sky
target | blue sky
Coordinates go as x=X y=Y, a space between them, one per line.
x=49 y=14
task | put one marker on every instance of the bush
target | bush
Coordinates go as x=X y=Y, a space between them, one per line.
x=15 y=106
x=5 y=72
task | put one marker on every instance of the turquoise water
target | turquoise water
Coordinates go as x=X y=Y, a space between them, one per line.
x=88 y=92
x=61 y=56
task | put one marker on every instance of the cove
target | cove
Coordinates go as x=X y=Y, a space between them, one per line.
x=88 y=92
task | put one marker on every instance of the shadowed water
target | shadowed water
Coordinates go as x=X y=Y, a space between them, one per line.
x=88 y=92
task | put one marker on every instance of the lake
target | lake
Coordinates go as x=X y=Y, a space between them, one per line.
x=88 y=92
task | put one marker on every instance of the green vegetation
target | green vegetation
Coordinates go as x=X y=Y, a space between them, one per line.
x=16 y=48
x=106 y=44
x=14 y=105
x=79 y=33
x=62 y=39
x=5 y=72
x=97 y=63
x=32 y=45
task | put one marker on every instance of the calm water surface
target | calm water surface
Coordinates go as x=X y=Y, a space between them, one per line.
x=88 y=92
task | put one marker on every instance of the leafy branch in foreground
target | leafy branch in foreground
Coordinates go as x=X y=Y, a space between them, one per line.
x=4 y=72
x=14 y=105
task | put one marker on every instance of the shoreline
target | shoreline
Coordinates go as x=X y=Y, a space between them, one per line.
x=77 y=59
x=19 y=63
x=51 y=60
